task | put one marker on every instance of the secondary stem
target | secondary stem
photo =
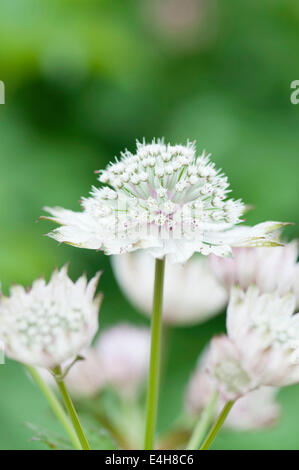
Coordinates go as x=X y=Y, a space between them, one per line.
x=203 y=424
x=56 y=407
x=217 y=426
x=154 y=370
x=71 y=409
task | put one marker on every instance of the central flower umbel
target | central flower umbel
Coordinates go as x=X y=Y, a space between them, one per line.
x=168 y=186
x=165 y=199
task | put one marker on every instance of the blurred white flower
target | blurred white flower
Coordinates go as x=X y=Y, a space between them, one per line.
x=165 y=199
x=271 y=269
x=123 y=353
x=256 y=410
x=261 y=347
x=51 y=323
x=191 y=292
x=191 y=24
x=86 y=378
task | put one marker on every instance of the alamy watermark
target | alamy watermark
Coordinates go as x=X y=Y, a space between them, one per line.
x=295 y=94
x=2 y=92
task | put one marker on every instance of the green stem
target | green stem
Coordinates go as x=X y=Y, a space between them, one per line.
x=217 y=426
x=56 y=407
x=203 y=424
x=154 y=370
x=71 y=409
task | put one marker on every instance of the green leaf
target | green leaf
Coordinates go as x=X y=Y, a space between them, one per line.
x=98 y=437
x=52 y=440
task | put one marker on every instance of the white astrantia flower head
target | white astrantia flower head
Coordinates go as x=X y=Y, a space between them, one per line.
x=257 y=409
x=265 y=331
x=164 y=199
x=187 y=291
x=270 y=269
x=262 y=346
x=50 y=323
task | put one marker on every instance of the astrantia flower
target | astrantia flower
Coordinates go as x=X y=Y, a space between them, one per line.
x=261 y=347
x=257 y=409
x=51 y=323
x=187 y=295
x=271 y=269
x=164 y=199
x=123 y=351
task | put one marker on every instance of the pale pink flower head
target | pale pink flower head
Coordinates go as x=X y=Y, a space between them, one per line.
x=165 y=199
x=265 y=332
x=271 y=269
x=50 y=323
x=257 y=409
x=187 y=297
x=86 y=378
x=200 y=388
x=123 y=352
x=262 y=346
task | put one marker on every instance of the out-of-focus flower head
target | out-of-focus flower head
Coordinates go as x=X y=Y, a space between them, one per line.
x=191 y=292
x=271 y=269
x=51 y=323
x=86 y=377
x=123 y=352
x=255 y=410
x=182 y=26
x=164 y=199
x=261 y=347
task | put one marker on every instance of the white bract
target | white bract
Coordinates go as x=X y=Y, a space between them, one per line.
x=262 y=344
x=256 y=410
x=271 y=269
x=165 y=199
x=191 y=292
x=50 y=323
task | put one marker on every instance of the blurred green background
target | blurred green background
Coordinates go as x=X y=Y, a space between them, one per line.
x=83 y=80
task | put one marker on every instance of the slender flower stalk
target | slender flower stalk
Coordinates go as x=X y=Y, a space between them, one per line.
x=155 y=357
x=56 y=407
x=70 y=408
x=217 y=426
x=203 y=424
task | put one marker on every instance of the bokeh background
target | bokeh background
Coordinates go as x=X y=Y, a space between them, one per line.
x=83 y=80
